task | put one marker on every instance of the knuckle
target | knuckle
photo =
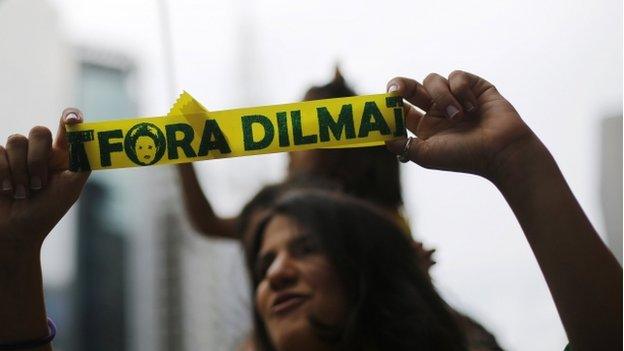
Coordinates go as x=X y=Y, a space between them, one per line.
x=459 y=86
x=35 y=163
x=16 y=141
x=458 y=75
x=40 y=132
x=432 y=77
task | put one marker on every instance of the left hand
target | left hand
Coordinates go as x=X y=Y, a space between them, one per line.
x=37 y=187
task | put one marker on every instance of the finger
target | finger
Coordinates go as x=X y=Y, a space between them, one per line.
x=5 y=172
x=59 y=159
x=482 y=90
x=412 y=121
x=71 y=184
x=69 y=116
x=460 y=85
x=416 y=96
x=444 y=103
x=425 y=153
x=39 y=150
x=411 y=91
x=17 y=150
x=397 y=147
x=412 y=117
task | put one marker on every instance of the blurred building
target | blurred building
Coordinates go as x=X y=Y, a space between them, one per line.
x=122 y=271
x=611 y=182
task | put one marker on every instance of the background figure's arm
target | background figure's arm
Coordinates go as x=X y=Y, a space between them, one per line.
x=198 y=210
x=584 y=278
x=470 y=127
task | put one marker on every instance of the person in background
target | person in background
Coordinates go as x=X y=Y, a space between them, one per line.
x=369 y=173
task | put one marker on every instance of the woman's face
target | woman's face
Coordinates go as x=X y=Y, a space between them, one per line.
x=297 y=282
x=145 y=149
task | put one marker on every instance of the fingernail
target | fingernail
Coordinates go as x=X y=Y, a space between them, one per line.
x=20 y=192
x=35 y=183
x=71 y=117
x=6 y=185
x=469 y=106
x=451 y=111
x=392 y=88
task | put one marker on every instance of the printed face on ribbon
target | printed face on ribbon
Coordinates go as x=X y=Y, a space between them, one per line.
x=145 y=144
x=145 y=149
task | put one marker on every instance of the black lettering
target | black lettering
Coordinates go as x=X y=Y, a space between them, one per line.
x=298 y=137
x=185 y=143
x=396 y=102
x=78 y=160
x=372 y=119
x=282 y=129
x=213 y=139
x=248 y=138
x=344 y=122
x=106 y=147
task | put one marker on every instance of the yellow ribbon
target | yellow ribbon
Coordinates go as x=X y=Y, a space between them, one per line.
x=190 y=132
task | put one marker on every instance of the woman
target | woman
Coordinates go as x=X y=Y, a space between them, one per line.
x=468 y=127
x=333 y=273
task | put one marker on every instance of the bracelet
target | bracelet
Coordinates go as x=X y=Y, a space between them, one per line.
x=33 y=343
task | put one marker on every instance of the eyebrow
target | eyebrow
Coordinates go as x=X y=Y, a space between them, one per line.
x=268 y=256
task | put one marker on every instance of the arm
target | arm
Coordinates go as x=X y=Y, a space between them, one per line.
x=22 y=314
x=469 y=127
x=203 y=219
x=37 y=190
x=584 y=278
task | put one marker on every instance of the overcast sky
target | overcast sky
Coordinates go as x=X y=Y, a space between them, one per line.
x=558 y=62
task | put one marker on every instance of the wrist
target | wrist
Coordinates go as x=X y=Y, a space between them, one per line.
x=19 y=250
x=520 y=166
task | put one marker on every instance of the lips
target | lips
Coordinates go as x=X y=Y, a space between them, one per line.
x=287 y=302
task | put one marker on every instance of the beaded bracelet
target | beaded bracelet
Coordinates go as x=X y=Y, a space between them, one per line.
x=33 y=343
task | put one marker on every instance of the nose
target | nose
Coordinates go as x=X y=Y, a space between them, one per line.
x=283 y=272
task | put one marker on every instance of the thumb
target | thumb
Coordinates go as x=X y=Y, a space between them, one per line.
x=71 y=183
x=60 y=147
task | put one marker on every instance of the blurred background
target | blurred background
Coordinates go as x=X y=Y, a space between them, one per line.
x=124 y=271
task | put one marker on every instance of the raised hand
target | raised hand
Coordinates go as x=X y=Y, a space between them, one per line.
x=37 y=187
x=467 y=125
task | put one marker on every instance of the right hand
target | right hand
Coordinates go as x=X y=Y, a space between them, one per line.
x=468 y=126
x=37 y=189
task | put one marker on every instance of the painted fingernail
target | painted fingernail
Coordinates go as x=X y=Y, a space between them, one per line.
x=35 y=183
x=6 y=185
x=469 y=106
x=72 y=117
x=20 y=192
x=392 y=88
x=451 y=111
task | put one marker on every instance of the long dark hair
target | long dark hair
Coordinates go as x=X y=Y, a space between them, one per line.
x=393 y=305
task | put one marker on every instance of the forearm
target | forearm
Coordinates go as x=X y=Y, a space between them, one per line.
x=22 y=309
x=584 y=278
x=198 y=208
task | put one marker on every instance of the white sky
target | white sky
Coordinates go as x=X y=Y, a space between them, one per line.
x=559 y=63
